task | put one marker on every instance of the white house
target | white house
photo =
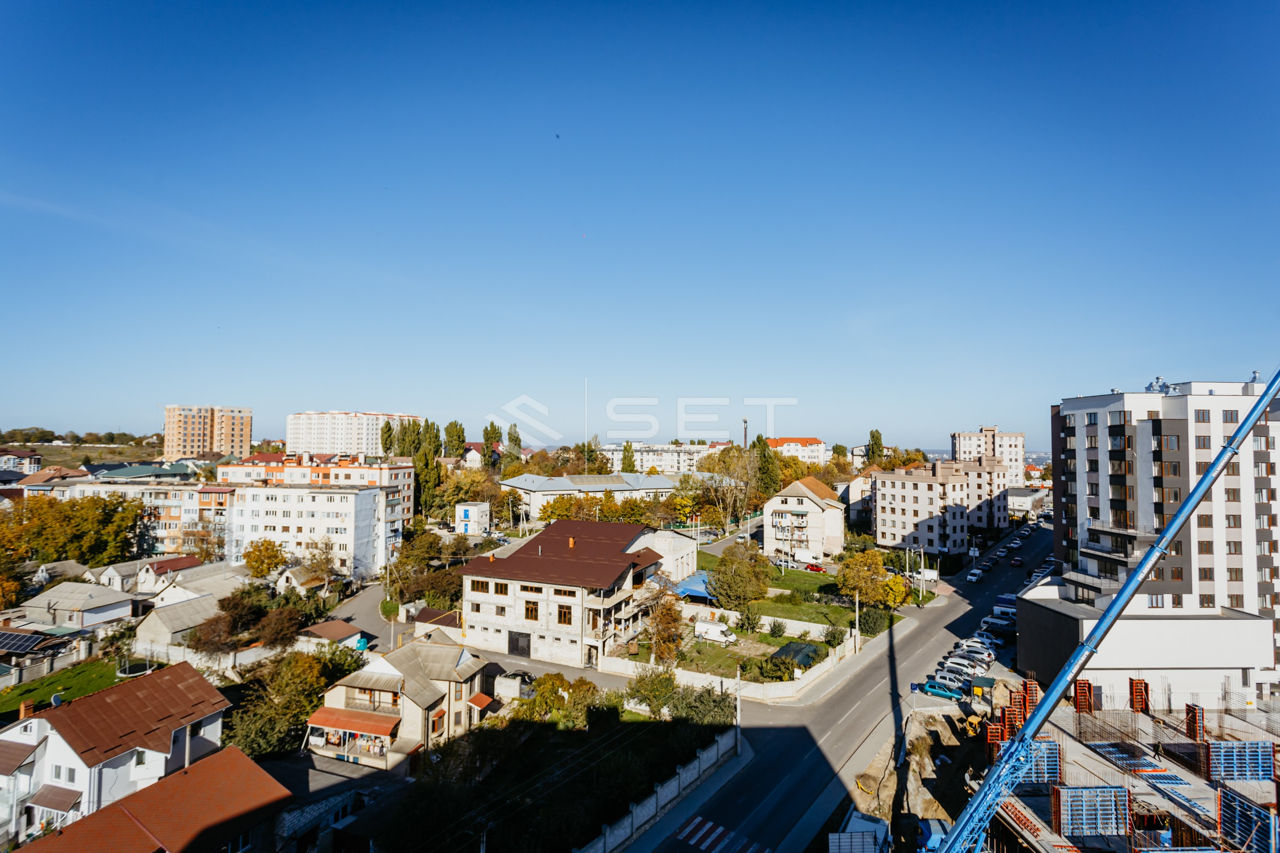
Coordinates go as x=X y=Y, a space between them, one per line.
x=573 y=591
x=807 y=449
x=72 y=759
x=804 y=521
x=664 y=458
x=168 y=625
x=14 y=459
x=471 y=518
x=474 y=455
x=216 y=579
x=78 y=605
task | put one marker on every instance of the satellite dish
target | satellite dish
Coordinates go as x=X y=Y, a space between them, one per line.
x=56 y=699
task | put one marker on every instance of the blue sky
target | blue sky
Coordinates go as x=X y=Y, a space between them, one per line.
x=919 y=219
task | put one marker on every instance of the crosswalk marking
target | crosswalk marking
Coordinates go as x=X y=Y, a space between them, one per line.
x=713 y=838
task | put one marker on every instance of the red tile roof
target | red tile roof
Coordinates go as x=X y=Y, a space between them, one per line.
x=597 y=558
x=174 y=564
x=263 y=459
x=55 y=797
x=480 y=701
x=53 y=472
x=443 y=618
x=363 y=722
x=196 y=809
x=804 y=442
x=141 y=713
x=20 y=454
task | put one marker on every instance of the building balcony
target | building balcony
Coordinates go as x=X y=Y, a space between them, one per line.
x=1098 y=584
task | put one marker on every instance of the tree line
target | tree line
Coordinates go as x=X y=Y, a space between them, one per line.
x=41 y=435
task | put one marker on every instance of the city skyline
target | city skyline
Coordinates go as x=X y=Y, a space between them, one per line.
x=915 y=220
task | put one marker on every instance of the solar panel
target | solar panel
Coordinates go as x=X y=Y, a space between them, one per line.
x=11 y=641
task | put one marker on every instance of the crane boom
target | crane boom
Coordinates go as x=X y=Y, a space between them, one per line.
x=1015 y=758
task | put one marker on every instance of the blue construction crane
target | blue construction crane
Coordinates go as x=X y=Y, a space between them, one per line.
x=1016 y=758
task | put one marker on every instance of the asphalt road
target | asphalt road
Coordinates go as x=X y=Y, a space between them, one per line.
x=753 y=526
x=799 y=750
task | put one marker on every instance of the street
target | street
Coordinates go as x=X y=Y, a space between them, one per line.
x=799 y=750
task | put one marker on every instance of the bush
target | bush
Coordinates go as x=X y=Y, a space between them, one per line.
x=724 y=618
x=873 y=621
x=834 y=635
x=777 y=629
x=704 y=706
x=804 y=635
x=749 y=620
x=769 y=669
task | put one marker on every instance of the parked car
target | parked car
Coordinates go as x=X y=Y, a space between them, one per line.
x=983 y=656
x=974 y=576
x=714 y=632
x=741 y=537
x=1015 y=544
x=998 y=625
x=1016 y=561
x=961 y=667
x=1003 y=552
x=989 y=639
x=948 y=679
x=973 y=643
x=942 y=691
x=814 y=567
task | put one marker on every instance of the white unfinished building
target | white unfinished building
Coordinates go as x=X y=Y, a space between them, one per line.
x=340 y=432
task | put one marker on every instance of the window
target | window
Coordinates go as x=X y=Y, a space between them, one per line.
x=71 y=774
x=1201 y=468
x=1169 y=442
x=1090 y=442
x=1091 y=419
x=1264 y=495
x=500 y=610
x=527 y=588
x=1175 y=548
x=457 y=719
x=1204 y=520
x=1263 y=469
x=1230 y=416
x=475 y=607
x=1203 y=547
x=57 y=772
x=531 y=611
x=1233 y=469
x=1232 y=495
x=1235 y=573
x=1202 y=442
x=1176 y=599
x=435 y=725
x=564 y=615
x=1202 y=416
x=1236 y=601
x=1233 y=521
x=1154 y=601
x=479 y=586
x=499 y=588
x=1207 y=601
x=139 y=758
x=1235 y=548
x=1175 y=573
x=566 y=593
x=457 y=691
x=1206 y=573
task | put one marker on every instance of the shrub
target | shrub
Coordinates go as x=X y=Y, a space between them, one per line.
x=777 y=629
x=873 y=621
x=749 y=620
x=804 y=635
x=834 y=635
x=724 y=618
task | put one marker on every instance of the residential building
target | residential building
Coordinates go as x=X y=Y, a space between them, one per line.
x=814 y=451
x=471 y=518
x=54 y=481
x=57 y=571
x=804 y=521
x=856 y=495
x=17 y=459
x=124 y=577
x=417 y=696
x=474 y=455
x=536 y=491
x=1123 y=462
x=334 y=631
x=348 y=433
x=184 y=515
x=429 y=620
x=363 y=523
x=319 y=469
x=664 y=458
x=68 y=761
x=1009 y=447
x=1028 y=503
x=572 y=592
x=223 y=802
x=939 y=506
x=192 y=430
x=168 y=625
x=215 y=579
x=72 y=604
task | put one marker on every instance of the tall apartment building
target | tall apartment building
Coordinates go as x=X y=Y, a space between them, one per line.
x=1123 y=463
x=192 y=430
x=938 y=506
x=184 y=516
x=666 y=458
x=351 y=433
x=811 y=450
x=321 y=469
x=1011 y=447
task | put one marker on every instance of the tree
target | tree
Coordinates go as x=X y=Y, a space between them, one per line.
x=628 y=459
x=839 y=450
x=652 y=687
x=749 y=620
x=244 y=608
x=703 y=706
x=768 y=469
x=875 y=447
x=213 y=636
x=388 y=438
x=455 y=439
x=319 y=559
x=665 y=629
x=279 y=628
x=739 y=576
x=426 y=466
x=264 y=556
x=96 y=530
x=864 y=575
x=1046 y=473
x=492 y=435
x=514 y=447
x=281 y=695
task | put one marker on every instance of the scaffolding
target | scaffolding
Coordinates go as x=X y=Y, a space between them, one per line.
x=1235 y=761
x=1245 y=826
x=1084 y=696
x=1139 y=696
x=1091 y=811
x=1046 y=762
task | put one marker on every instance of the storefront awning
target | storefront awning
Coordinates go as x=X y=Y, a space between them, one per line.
x=361 y=722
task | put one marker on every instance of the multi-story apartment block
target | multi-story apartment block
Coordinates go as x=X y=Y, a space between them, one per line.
x=804 y=521
x=1123 y=462
x=939 y=506
x=192 y=430
x=16 y=459
x=664 y=458
x=1010 y=447
x=572 y=592
x=350 y=433
x=320 y=469
x=363 y=523
x=811 y=450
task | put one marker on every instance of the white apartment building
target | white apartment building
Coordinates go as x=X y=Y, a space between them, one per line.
x=537 y=491
x=805 y=521
x=572 y=592
x=1010 y=447
x=351 y=433
x=939 y=505
x=16 y=459
x=471 y=518
x=811 y=450
x=321 y=469
x=665 y=458
x=1123 y=464
x=181 y=513
x=365 y=523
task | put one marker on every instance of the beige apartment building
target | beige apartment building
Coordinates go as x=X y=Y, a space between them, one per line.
x=192 y=430
x=1010 y=447
x=937 y=506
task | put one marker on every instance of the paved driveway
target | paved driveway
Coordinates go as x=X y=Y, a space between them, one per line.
x=362 y=610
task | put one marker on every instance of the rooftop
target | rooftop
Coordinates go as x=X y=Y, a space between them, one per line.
x=75 y=595
x=591 y=554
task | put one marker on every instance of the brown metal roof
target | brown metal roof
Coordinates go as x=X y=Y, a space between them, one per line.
x=143 y=712
x=332 y=629
x=443 y=618
x=54 y=797
x=347 y=720
x=14 y=755
x=589 y=554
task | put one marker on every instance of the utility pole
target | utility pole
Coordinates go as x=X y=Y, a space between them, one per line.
x=737 y=738
x=857 y=621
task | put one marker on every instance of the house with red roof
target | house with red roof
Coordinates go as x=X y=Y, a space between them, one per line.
x=806 y=449
x=474 y=454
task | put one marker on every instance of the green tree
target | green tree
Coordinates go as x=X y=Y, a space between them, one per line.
x=652 y=687
x=749 y=620
x=628 y=459
x=492 y=436
x=514 y=447
x=426 y=465
x=875 y=447
x=388 y=438
x=768 y=468
x=1046 y=472
x=281 y=694
x=739 y=577
x=839 y=450
x=264 y=556
x=703 y=706
x=280 y=627
x=666 y=629
x=455 y=438
x=863 y=574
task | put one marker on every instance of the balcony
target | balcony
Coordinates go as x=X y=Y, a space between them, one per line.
x=1100 y=585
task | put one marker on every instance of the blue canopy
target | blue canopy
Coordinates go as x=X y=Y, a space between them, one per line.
x=694 y=585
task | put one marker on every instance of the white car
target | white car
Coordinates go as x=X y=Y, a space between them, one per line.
x=974 y=576
x=1003 y=552
x=1015 y=544
x=988 y=639
x=980 y=655
x=973 y=643
x=948 y=679
x=961 y=666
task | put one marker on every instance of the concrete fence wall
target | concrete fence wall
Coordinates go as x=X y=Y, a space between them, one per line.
x=794 y=627
x=643 y=814
x=77 y=652
x=177 y=654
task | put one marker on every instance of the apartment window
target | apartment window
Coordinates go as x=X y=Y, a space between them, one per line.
x=1202 y=442
x=527 y=588
x=1091 y=419
x=499 y=588
x=566 y=593
x=1207 y=600
x=1230 y=416
x=1265 y=522
x=1170 y=442
x=1202 y=416
x=1236 y=601
x=1091 y=442
x=500 y=610
x=1233 y=469
x=1155 y=601
x=1231 y=495
x=457 y=719
x=1121 y=418
x=1170 y=469
x=1264 y=495
x=1175 y=573
x=1235 y=573
x=457 y=691
x=475 y=607
x=479 y=586
x=57 y=772
x=531 y=611
x=71 y=774
x=1068 y=420
x=1233 y=521
x=1235 y=548
x=1206 y=573
x=1264 y=469
x=1201 y=468
x=564 y=614
x=1176 y=600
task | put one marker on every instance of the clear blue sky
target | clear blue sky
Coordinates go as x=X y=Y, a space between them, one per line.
x=918 y=219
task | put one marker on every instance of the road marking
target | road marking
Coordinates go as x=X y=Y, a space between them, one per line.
x=688 y=826
x=711 y=837
x=693 y=839
x=714 y=838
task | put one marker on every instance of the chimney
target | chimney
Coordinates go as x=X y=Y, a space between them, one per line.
x=26 y=709
x=539 y=550
x=490 y=557
x=570 y=542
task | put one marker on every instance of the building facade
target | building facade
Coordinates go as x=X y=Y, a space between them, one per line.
x=320 y=469
x=814 y=451
x=1010 y=447
x=939 y=506
x=471 y=518
x=805 y=521
x=664 y=458
x=16 y=459
x=192 y=430
x=349 y=433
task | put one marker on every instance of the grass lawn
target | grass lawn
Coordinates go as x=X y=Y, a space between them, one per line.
x=706 y=562
x=70 y=457
x=72 y=682
x=823 y=614
x=802 y=581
